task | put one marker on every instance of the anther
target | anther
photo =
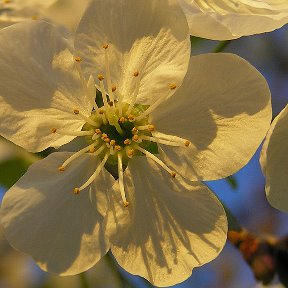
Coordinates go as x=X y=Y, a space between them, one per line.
x=53 y=130
x=113 y=88
x=61 y=168
x=172 y=86
x=76 y=191
x=122 y=119
x=110 y=103
x=187 y=143
x=107 y=140
x=101 y=111
x=131 y=117
x=151 y=127
x=117 y=147
x=105 y=46
x=173 y=174
x=76 y=111
x=7 y=1
x=104 y=136
x=100 y=77
x=135 y=138
x=127 y=142
x=112 y=142
x=130 y=153
x=126 y=204
x=77 y=59
x=98 y=131
x=92 y=150
x=136 y=74
x=135 y=130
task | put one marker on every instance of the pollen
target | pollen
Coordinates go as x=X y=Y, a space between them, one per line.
x=104 y=136
x=92 y=150
x=112 y=142
x=98 y=131
x=130 y=153
x=107 y=140
x=111 y=103
x=131 y=117
x=76 y=111
x=61 y=168
x=113 y=88
x=187 y=143
x=126 y=204
x=122 y=119
x=172 y=86
x=135 y=130
x=105 y=46
x=77 y=59
x=135 y=138
x=100 y=77
x=101 y=111
x=76 y=191
x=173 y=174
x=136 y=74
x=117 y=148
x=53 y=130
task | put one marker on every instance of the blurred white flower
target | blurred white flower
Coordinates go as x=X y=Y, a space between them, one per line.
x=206 y=128
x=61 y=12
x=274 y=162
x=230 y=19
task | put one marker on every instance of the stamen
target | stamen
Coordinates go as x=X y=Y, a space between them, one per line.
x=136 y=92
x=131 y=117
x=127 y=141
x=157 y=160
x=95 y=136
x=172 y=86
x=121 y=180
x=108 y=74
x=136 y=138
x=103 y=92
x=76 y=155
x=53 y=130
x=135 y=131
x=173 y=138
x=93 y=176
x=147 y=127
x=91 y=91
x=161 y=141
x=130 y=153
x=122 y=120
x=99 y=150
x=88 y=120
x=77 y=59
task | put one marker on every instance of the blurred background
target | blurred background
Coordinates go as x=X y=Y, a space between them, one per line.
x=244 y=195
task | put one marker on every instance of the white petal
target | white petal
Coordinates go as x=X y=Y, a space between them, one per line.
x=226 y=19
x=150 y=37
x=39 y=86
x=223 y=108
x=170 y=226
x=274 y=162
x=42 y=217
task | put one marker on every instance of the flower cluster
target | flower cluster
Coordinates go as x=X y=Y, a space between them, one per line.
x=154 y=122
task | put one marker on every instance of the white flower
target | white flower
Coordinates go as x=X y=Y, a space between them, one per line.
x=158 y=223
x=274 y=160
x=63 y=12
x=230 y=19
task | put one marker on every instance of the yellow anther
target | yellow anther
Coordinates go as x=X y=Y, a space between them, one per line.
x=135 y=138
x=136 y=74
x=7 y=1
x=117 y=148
x=172 y=86
x=104 y=136
x=112 y=142
x=76 y=191
x=101 y=111
x=134 y=130
x=131 y=117
x=187 y=143
x=105 y=46
x=98 y=131
x=92 y=150
x=77 y=59
x=173 y=174
x=126 y=204
x=34 y=17
x=100 y=77
x=107 y=140
x=53 y=130
x=110 y=103
x=122 y=119
x=151 y=127
x=61 y=168
x=76 y=111
x=113 y=88
x=130 y=153
x=127 y=142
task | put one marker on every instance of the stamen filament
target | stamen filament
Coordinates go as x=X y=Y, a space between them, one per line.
x=148 y=127
x=87 y=119
x=103 y=92
x=77 y=154
x=134 y=97
x=94 y=175
x=92 y=91
x=157 y=160
x=99 y=150
x=161 y=141
x=108 y=76
x=121 y=180
x=173 y=138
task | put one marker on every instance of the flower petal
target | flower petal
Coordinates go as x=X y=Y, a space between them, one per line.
x=274 y=162
x=42 y=217
x=223 y=108
x=226 y=19
x=40 y=86
x=150 y=37
x=170 y=226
